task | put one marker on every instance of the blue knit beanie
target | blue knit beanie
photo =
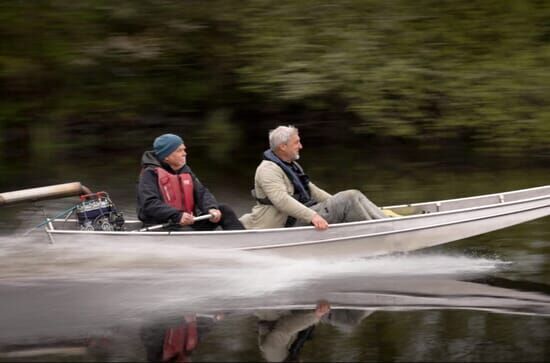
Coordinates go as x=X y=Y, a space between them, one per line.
x=165 y=144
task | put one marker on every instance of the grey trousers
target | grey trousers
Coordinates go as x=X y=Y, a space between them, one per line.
x=347 y=206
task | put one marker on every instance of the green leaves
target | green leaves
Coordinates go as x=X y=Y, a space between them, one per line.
x=475 y=71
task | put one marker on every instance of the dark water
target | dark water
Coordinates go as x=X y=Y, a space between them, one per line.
x=481 y=299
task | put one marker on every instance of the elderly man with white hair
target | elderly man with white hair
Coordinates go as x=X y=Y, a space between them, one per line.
x=286 y=197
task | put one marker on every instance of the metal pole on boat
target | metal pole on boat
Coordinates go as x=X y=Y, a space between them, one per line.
x=52 y=241
x=49 y=222
x=166 y=225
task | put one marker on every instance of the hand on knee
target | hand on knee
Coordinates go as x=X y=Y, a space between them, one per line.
x=319 y=222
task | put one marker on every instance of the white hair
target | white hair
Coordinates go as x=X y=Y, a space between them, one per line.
x=281 y=135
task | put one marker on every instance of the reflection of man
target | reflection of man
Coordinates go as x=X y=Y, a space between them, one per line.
x=180 y=341
x=287 y=197
x=283 y=334
x=174 y=341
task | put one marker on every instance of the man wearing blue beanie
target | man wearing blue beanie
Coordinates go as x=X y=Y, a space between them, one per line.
x=168 y=191
x=165 y=144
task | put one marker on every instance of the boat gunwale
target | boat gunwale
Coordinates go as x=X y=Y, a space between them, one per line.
x=332 y=226
x=384 y=233
x=473 y=198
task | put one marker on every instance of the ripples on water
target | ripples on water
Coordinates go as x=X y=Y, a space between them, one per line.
x=93 y=287
x=90 y=286
x=34 y=257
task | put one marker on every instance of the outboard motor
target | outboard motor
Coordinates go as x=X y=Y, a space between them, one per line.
x=96 y=212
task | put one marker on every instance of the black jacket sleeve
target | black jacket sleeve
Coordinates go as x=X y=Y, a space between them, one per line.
x=151 y=206
x=203 y=198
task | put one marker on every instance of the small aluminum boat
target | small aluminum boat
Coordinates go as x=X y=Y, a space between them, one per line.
x=418 y=226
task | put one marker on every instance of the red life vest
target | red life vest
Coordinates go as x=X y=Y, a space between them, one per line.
x=177 y=190
x=179 y=342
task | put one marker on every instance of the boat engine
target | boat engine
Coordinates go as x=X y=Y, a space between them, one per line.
x=96 y=212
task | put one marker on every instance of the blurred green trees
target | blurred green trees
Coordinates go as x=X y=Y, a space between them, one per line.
x=431 y=71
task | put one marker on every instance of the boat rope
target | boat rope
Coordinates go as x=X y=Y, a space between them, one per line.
x=66 y=212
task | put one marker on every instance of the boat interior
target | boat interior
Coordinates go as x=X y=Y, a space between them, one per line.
x=392 y=211
x=469 y=202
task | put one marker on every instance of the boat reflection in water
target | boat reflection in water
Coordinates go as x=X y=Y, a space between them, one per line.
x=282 y=326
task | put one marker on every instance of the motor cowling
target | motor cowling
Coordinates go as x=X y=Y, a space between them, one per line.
x=97 y=212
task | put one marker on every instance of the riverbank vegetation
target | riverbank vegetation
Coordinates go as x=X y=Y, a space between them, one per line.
x=473 y=73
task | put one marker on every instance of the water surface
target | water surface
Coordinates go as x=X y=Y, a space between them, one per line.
x=485 y=298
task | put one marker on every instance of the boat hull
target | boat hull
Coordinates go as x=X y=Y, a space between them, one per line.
x=357 y=239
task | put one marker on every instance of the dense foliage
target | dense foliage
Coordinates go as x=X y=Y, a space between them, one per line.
x=473 y=71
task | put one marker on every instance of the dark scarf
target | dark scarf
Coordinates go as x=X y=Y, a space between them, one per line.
x=296 y=175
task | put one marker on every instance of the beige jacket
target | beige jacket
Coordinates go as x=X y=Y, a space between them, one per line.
x=275 y=344
x=271 y=181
